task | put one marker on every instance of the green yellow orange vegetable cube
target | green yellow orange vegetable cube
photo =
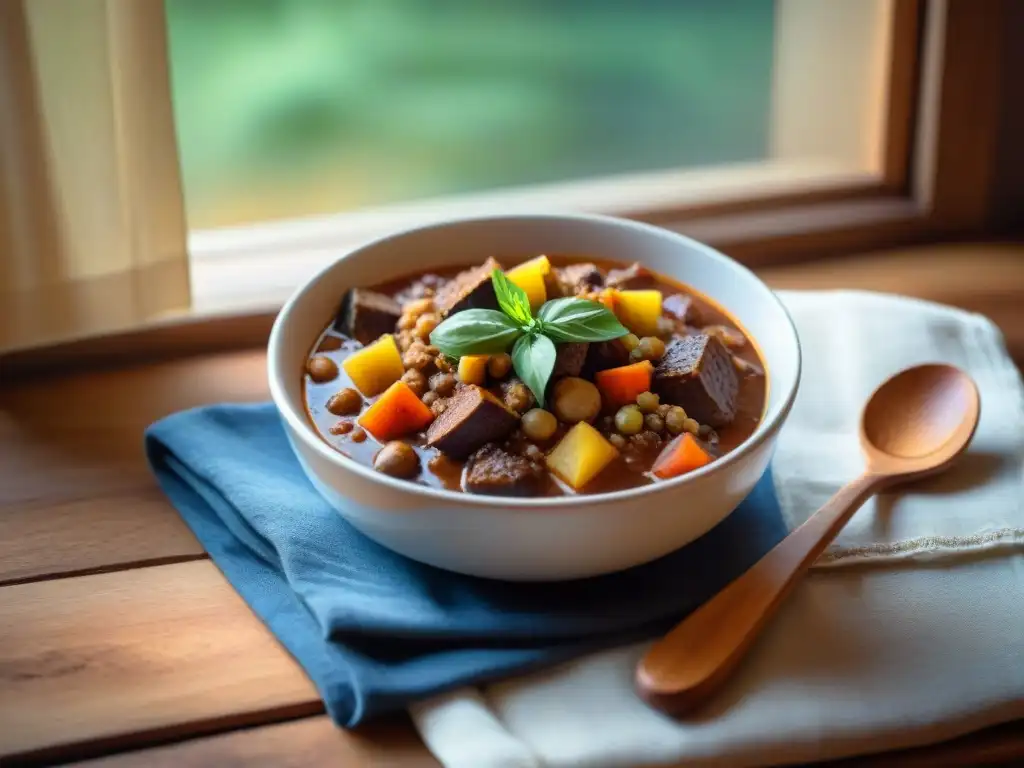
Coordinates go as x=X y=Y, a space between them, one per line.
x=581 y=455
x=473 y=369
x=639 y=311
x=530 y=277
x=376 y=367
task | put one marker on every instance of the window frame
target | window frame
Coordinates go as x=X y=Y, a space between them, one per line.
x=951 y=170
x=925 y=187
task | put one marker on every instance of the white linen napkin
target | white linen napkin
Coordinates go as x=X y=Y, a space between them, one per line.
x=922 y=640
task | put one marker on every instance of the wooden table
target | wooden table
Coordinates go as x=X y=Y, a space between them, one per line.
x=120 y=641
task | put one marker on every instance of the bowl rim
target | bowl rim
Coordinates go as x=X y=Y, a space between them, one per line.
x=299 y=421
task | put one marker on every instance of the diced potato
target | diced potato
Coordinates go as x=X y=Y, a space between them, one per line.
x=530 y=277
x=581 y=455
x=639 y=311
x=376 y=367
x=473 y=369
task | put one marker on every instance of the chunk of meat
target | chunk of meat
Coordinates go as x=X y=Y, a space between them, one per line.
x=570 y=358
x=496 y=472
x=579 y=278
x=698 y=374
x=470 y=289
x=366 y=315
x=632 y=276
x=681 y=307
x=425 y=286
x=471 y=418
x=603 y=355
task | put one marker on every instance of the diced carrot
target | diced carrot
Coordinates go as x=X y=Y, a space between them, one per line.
x=682 y=455
x=397 y=412
x=620 y=386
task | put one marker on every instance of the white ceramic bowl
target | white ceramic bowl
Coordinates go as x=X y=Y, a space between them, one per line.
x=534 y=538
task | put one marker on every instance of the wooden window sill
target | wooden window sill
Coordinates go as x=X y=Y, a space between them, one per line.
x=987 y=278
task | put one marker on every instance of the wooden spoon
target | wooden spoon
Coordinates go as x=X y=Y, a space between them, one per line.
x=914 y=425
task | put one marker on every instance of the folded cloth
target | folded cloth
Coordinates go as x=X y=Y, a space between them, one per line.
x=376 y=631
x=923 y=641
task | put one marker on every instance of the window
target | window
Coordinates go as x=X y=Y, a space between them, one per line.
x=776 y=130
x=311 y=123
x=296 y=107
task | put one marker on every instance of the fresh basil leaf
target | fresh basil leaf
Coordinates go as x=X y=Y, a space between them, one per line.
x=475 y=332
x=512 y=299
x=572 y=319
x=533 y=357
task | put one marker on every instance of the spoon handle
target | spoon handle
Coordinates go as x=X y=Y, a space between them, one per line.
x=687 y=666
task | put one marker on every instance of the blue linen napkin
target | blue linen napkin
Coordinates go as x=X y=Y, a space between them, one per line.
x=375 y=630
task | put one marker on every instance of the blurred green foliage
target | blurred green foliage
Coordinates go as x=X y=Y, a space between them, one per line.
x=290 y=107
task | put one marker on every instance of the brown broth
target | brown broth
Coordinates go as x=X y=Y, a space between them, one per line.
x=438 y=471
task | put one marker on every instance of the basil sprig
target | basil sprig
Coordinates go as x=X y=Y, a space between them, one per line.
x=532 y=339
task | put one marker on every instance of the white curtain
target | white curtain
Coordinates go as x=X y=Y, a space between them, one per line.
x=92 y=224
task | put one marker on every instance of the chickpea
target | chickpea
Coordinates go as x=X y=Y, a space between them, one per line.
x=636 y=355
x=343 y=427
x=618 y=441
x=438 y=406
x=499 y=365
x=539 y=424
x=416 y=380
x=576 y=400
x=705 y=430
x=443 y=384
x=652 y=348
x=418 y=307
x=416 y=356
x=426 y=324
x=518 y=396
x=322 y=369
x=429 y=397
x=358 y=435
x=631 y=341
x=397 y=459
x=691 y=426
x=648 y=402
x=406 y=322
x=405 y=340
x=345 y=402
x=663 y=409
x=675 y=420
x=629 y=420
x=654 y=422
x=665 y=328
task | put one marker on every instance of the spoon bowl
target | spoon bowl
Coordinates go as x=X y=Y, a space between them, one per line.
x=919 y=420
x=914 y=425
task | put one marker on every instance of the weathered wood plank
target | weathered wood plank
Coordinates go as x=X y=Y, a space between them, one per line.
x=75 y=491
x=127 y=657
x=131 y=527
x=313 y=741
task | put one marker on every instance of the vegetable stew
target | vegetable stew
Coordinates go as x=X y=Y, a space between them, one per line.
x=554 y=376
